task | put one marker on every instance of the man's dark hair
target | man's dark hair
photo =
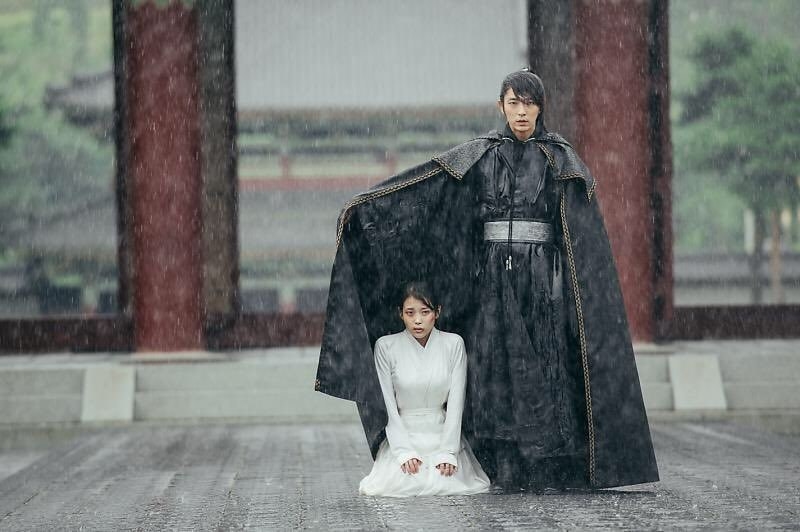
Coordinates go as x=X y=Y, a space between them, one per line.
x=419 y=290
x=526 y=85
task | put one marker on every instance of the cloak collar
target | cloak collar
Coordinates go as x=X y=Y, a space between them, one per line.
x=458 y=160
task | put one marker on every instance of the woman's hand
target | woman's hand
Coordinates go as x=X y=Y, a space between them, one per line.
x=412 y=466
x=447 y=470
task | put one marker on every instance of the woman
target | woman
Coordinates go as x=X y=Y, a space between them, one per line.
x=509 y=227
x=422 y=373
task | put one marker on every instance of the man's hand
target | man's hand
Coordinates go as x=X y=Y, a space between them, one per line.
x=412 y=466
x=447 y=470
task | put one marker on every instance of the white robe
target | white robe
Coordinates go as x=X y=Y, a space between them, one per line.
x=417 y=384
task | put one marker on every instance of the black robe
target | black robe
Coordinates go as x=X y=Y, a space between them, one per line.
x=422 y=224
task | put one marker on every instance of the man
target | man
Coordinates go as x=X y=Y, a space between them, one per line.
x=509 y=227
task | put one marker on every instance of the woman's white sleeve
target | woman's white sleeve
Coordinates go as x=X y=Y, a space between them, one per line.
x=396 y=433
x=451 y=434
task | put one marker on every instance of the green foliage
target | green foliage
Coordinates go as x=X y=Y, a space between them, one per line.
x=689 y=19
x=707 y=212
x=48 y=167
x=5 y=128
x=49 y=170
x=744 y=117
x=707 y=215
x=715 y=57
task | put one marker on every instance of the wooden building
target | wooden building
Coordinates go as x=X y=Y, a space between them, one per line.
x=182 y=89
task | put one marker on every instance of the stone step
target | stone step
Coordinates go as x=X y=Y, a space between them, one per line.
x=278 y=406
x=40 y=395
x=225 y=376
x=657 y=396
x=277 y=385
x=746 y=367
x=763 y=395
x=15 y=382
x=652 y=368
x=31 y=409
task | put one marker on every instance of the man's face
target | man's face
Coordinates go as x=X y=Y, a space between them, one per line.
x=418 y=318
x=520 y=114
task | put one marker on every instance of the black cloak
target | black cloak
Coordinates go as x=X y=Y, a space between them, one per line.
x=422 y=224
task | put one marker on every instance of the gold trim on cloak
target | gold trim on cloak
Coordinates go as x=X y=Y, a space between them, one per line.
x=587 y=386
x=576 y=292
x=367 y=196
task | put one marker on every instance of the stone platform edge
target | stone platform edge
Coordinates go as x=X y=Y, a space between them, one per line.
x=679 y=382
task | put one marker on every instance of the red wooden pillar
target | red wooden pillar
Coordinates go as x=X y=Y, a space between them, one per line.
x=620 y=136
x=164 y=174
x=661 y=150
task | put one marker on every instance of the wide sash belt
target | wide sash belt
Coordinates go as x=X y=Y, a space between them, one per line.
x=522 y=231
x=424 y=419
x=413 y=412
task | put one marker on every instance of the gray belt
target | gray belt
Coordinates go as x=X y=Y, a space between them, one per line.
x=522 y=231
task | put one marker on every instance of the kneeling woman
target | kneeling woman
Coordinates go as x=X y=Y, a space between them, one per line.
x=422 y=373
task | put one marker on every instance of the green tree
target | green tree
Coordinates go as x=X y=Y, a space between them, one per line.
x=45 y=11
x=743 y=116
x=50 y=169
x=5 y=128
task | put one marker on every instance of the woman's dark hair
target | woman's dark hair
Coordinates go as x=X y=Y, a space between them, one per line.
x=526 y=85
x=419 y=290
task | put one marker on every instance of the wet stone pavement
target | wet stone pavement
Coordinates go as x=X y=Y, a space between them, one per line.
x=716 y=475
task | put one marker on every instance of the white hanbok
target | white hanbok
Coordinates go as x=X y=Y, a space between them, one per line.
x=423 y=388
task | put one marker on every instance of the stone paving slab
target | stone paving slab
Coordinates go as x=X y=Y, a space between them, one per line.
x=715 y=475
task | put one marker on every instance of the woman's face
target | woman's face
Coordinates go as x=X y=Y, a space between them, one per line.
x=418 y=318
x=520 y=114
